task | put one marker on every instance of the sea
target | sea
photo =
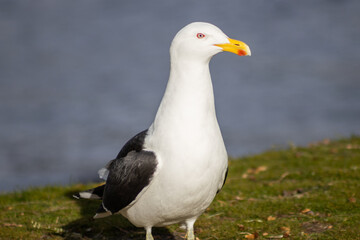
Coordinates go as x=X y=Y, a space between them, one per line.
x=79 y=78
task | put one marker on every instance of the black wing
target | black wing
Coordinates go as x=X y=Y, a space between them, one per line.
x=128 y=176
x=226 y=173
x=134 y=144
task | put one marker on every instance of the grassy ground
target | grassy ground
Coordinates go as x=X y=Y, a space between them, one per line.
x=298 y=193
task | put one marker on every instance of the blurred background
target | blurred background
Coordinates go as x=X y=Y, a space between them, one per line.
x=79 y=78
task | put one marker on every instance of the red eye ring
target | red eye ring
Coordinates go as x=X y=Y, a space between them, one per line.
x=200 y=35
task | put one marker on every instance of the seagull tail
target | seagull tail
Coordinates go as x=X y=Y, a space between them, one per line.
x=94 y=193
x=102 y=212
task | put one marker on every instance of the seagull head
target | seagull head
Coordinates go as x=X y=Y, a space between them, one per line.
x=201 y=41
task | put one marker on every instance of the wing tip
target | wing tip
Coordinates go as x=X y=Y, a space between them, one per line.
x=76 y=196
x=94 y=193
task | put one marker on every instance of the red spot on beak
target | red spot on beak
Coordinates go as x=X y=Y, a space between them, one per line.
x=242 y=52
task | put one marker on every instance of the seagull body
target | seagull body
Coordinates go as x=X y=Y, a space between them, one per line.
x=171 y=172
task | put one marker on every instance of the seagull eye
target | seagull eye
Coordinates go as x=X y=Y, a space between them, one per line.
x=200 y=35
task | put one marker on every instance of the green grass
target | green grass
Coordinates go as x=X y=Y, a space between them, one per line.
x=299 y=193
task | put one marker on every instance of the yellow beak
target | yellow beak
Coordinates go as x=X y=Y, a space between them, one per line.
x=236 y=46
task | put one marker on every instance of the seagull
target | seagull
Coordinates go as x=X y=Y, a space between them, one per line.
x=171 y=172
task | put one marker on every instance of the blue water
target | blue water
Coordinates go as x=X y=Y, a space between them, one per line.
x=79 y=78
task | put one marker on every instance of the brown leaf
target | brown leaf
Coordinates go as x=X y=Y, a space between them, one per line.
x=238 y=198
x=12 y=225
x=286 y=235
x=250 y=236
x=254 y=171
x=241 y=227
x=285 y=229
x=295 y=193
x=352 y=200
x=271 y=218
x=284 y=175
x=260 y=169
x=307 y=211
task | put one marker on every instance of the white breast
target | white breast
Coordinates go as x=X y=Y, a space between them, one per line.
x=187 y=141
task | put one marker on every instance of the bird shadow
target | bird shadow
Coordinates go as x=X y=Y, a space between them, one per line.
x=113 y=227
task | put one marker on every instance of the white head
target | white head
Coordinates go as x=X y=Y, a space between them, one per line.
x=200 y=41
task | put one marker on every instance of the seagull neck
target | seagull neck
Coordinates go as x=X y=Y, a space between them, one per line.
x=189 y=98
x=190 y=74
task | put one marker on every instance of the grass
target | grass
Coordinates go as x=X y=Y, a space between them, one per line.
x=299 y=193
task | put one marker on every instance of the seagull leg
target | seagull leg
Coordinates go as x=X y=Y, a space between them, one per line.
x=190 y=235
x=148 y=234
x=190 y=229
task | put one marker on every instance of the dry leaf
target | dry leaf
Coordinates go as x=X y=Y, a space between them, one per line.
x=238 y=198
x=271 y=218
x=12 y=225
x=222 y=203
x=298 y=193
x=285 y=229
x=241 y=227
x=352 y=200
x=250 y=236
x=275 y=236
x=254 y=171
x=284 y=175
x=265 y=234
x=351 y=146
x=254 y=220
x=286 y=235
x=305 y=211
x=260 y=169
